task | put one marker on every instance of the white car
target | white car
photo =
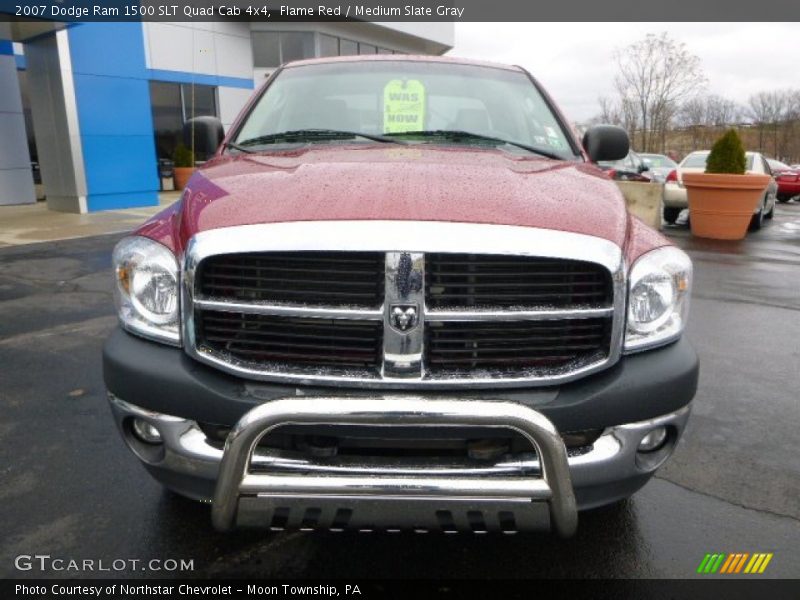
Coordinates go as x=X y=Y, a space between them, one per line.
x=675 y=199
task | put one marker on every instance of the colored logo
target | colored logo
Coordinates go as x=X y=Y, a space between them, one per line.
x=733 y=564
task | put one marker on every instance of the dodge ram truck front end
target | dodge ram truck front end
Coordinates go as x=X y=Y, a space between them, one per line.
x=401 y=327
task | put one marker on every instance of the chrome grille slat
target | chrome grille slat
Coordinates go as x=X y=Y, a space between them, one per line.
x=283 y=310
x=511 y=316
x=544 y=314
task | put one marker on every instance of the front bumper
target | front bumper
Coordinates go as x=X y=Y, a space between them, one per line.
x=177 y=395
x=251 y=485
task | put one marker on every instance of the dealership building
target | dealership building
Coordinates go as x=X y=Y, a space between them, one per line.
x=91 y=113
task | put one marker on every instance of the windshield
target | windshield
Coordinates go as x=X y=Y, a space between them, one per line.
x=658 y=161
x=695 y=161
x=777 y=165
x=412 y=101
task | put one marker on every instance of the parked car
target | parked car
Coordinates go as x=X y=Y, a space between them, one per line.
x=676 y=200
x=439 y=318
x=629 y=168
x=788 y=180
x=659 y=165
x=777 y=166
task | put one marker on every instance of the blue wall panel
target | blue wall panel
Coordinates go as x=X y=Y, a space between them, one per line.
x=113 y=105
x=119 y=163
x=201 y=79
x=117 y=201
x=116 y=124
x=114 y=49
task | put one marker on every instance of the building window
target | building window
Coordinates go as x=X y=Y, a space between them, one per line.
x=347 y=47
x=199 y=100
x=173 y=104
x=271 y=48
x=296 y=46
x=266 y=49
x=328 y=45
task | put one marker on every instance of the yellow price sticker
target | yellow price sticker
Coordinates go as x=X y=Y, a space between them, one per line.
x=403 y=106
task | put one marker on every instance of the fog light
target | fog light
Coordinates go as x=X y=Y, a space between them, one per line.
x=653 y=440
x=146 y=431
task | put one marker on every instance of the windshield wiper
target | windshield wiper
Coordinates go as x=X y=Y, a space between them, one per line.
x=456 y=135
x=310 y=135
x=239 y=148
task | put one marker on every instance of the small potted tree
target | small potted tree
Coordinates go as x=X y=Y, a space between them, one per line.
x=184 y=166
x=723 y=199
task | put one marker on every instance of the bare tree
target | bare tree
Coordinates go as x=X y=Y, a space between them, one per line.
x=656 y=74
x=610 y=111
x=720 y=112
x=785 y=122
x=765 y=110
x=692 y=116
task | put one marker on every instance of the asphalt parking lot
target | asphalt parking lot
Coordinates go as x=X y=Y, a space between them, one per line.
x=70 y=488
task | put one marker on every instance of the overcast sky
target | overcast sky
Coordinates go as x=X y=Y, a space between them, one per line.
x=574 y=61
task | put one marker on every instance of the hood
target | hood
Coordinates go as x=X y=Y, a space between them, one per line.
x=424 y=183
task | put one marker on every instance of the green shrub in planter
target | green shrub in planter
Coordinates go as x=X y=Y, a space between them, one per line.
x=183 y=156
x=727 y=155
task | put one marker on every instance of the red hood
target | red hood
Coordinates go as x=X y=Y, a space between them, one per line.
x=365 y=182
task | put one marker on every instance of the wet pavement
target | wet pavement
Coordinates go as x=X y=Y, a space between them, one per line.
x=69 y=487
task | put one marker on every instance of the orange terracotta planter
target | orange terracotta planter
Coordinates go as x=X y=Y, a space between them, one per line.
x=181 y=176
x=722 y=205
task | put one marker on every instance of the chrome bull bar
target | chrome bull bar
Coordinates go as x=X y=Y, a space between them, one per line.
x=236 y=481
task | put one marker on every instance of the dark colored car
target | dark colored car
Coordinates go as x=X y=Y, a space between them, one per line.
x=630 y=168
x=401 y=296
x=659 y=166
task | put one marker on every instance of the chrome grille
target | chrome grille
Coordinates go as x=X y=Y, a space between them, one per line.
x=312 y=278
x=284 y=342
x=544 y=308
x=481 y=280
x=457 y=347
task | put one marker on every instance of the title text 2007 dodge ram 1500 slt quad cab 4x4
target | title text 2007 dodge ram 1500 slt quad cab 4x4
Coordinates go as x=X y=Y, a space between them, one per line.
x=400 y=296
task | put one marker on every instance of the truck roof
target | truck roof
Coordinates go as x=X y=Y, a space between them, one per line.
x=402 y=57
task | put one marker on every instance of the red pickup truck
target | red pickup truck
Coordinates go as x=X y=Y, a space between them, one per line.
x=401 y=296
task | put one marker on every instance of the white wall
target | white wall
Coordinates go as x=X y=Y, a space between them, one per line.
x=16 y=178
x=410 y=38
x=215 y=48
x=439 y=33
x=231 y=100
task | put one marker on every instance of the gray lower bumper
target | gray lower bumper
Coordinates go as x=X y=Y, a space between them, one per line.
x=251 y=485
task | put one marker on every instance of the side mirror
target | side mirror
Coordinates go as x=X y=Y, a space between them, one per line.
x=606 y=142
x=208 y=135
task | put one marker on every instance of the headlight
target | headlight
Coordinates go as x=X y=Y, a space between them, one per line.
x=146 y=292
x=658 y=298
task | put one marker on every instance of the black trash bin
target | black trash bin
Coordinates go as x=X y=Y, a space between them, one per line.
x=166 y=169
